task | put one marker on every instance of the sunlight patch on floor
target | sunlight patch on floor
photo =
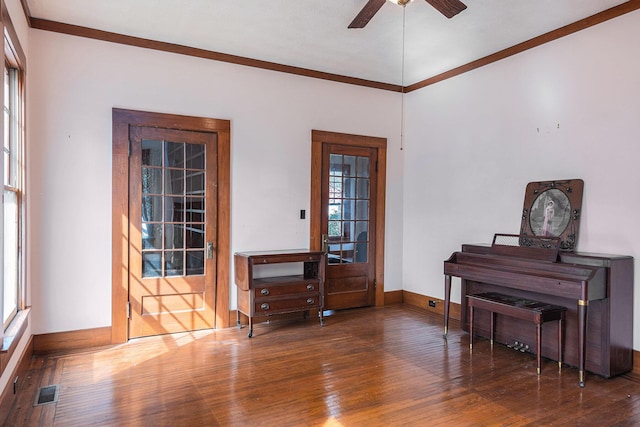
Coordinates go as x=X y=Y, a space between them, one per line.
x=103 y=360
x=332 y=422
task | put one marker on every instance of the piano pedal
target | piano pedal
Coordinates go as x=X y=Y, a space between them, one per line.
x=519 y=346
x=515 y=346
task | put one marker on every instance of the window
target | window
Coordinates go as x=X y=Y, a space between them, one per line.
x=12 y=198
x=349 y=188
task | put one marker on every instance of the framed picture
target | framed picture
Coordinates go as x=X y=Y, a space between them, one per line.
x=552 y=209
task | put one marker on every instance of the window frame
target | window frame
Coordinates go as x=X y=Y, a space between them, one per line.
x=15 y=63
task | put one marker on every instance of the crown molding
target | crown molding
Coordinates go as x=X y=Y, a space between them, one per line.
x=75 y=30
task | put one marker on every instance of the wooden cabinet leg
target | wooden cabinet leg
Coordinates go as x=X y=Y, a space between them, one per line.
x=447 y=299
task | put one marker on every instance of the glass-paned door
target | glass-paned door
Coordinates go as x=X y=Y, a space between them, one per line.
x=172 y=231
x=348 y=218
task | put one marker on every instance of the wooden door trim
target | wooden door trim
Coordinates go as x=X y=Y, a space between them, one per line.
x=121 y=121
x=318 y=139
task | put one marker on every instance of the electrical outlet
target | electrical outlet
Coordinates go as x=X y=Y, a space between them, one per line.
x=432 y=303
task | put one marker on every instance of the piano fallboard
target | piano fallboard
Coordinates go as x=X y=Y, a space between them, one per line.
x=569 y=281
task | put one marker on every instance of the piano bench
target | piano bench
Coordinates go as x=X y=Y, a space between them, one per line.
x=520 y=308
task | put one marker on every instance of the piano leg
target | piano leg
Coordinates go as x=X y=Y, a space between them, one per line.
x=447 y=298
x=582 y=337
x=471 y=310
x=560 y=344
x=538 y=346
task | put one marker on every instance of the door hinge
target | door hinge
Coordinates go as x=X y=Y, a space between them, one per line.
x=128 y=310
x=129 y=149
x=375 y=284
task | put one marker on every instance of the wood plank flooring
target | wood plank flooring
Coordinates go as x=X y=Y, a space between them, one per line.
x=387 y=366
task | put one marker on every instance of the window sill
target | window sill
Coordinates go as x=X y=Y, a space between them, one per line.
x=12 y=336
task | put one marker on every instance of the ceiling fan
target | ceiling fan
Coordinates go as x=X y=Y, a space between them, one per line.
x=448 y=8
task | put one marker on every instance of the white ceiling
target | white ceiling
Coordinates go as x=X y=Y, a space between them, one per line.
x=313 y=34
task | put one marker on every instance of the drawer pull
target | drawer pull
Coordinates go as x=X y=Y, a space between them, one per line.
x=265 y=292
x=264 y=306
x=310 y=301
x=309 y=287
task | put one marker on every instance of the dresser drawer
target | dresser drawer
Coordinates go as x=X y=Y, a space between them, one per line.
x=272 y=290
x=305 y=302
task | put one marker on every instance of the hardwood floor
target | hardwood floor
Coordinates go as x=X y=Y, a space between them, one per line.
x=386 y=366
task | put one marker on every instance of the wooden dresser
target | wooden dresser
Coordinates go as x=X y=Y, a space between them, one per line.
x=297 y=286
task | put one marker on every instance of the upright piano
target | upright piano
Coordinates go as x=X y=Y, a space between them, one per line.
x=597 y=290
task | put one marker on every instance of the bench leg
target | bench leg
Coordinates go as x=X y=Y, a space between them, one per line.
x=538 y=345
x=492 y=324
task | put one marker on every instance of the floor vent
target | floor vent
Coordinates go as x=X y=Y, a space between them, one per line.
x=47 y=394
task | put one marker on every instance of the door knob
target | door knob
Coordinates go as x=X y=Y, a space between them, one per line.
x=325 y=243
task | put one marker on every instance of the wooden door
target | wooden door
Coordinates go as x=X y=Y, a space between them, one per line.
x=172 y=229
x=354 y=273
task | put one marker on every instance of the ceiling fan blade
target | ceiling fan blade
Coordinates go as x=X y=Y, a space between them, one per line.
x=371 y=8
x=448 y=8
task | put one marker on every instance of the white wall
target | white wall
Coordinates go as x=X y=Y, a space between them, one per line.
x=73 y=85
x=567 y=109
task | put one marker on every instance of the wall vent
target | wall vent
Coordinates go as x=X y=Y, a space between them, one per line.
x=47 y=394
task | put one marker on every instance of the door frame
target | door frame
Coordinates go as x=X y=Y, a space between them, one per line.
x=121 y=121
x=318 y=139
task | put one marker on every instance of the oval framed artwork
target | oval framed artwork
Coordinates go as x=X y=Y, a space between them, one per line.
x=552 y=209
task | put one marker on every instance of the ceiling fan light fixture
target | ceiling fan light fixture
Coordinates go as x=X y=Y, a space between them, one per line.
x=400 y=2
